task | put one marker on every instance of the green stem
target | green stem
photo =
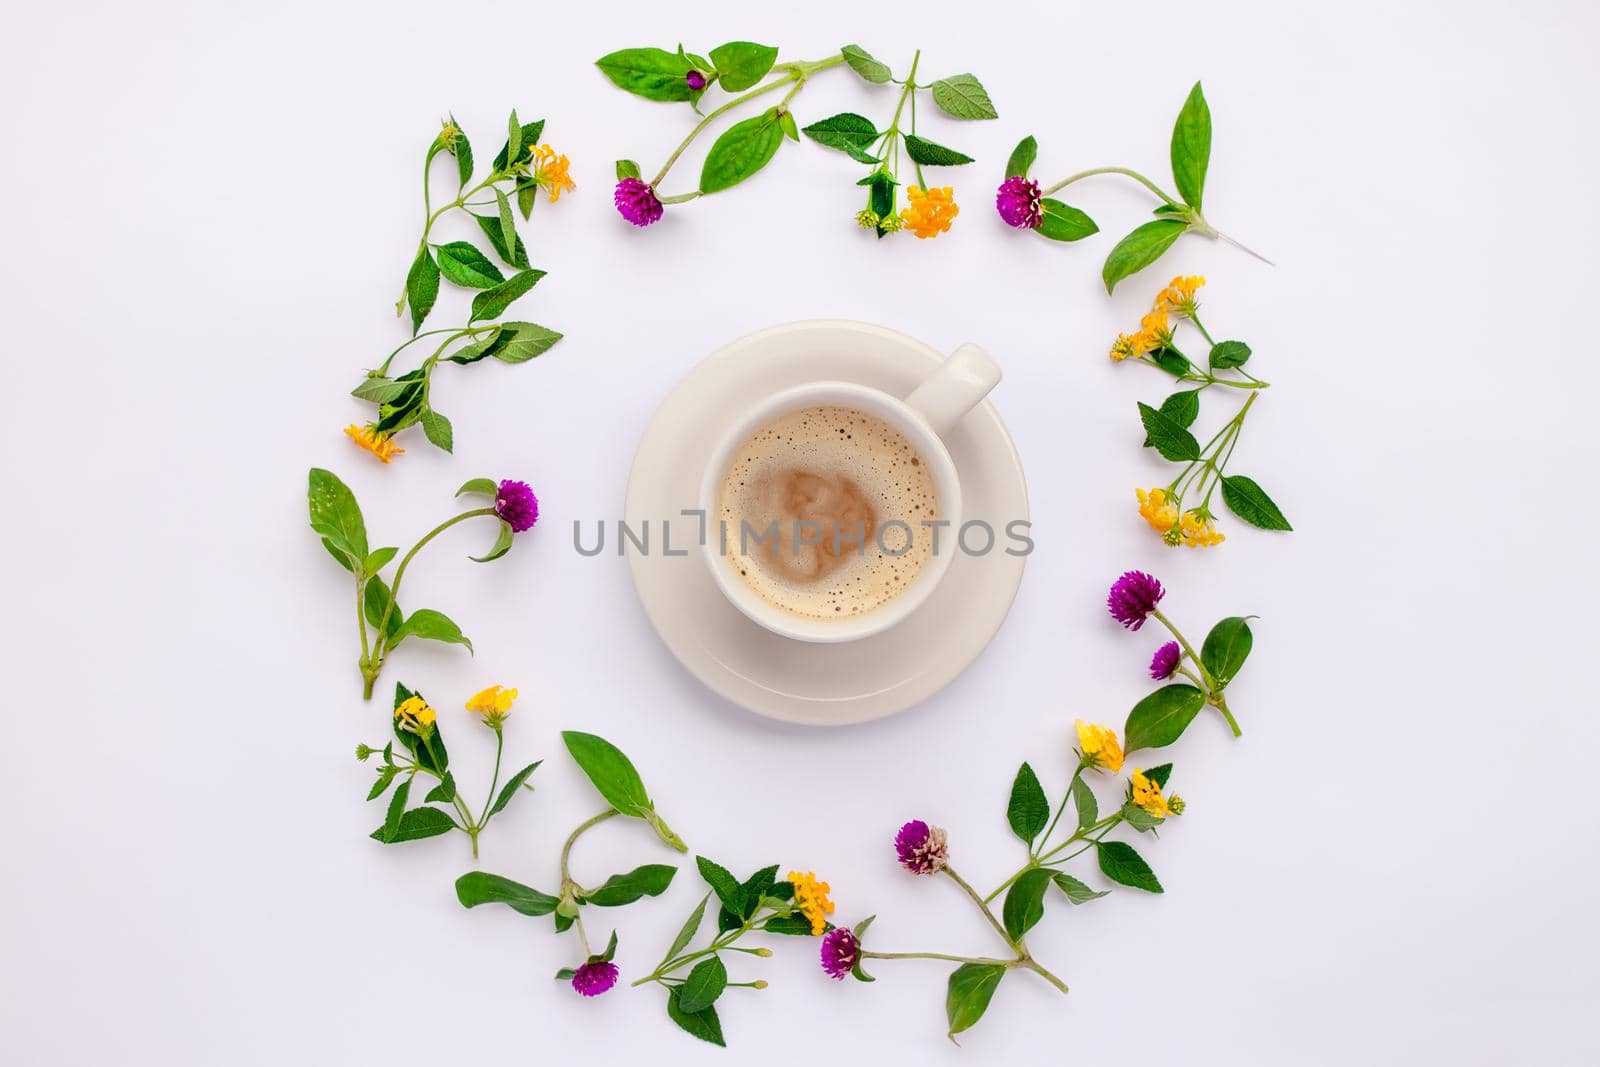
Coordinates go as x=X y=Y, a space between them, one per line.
x=1135 y=175
x=572 y=838
x=1067 y=796
x=1188 y=648
x=989 y=960
x=983 y=906
x=499 y=747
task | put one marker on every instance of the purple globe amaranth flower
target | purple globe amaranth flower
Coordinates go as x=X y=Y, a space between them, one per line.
x=515 y=503
x=840 y=951
x=595 y=977
x=1133 y=597
x=695 y=80
x=1164 y=664
x=637 y=202
x=1019 y=203
x=922 y=848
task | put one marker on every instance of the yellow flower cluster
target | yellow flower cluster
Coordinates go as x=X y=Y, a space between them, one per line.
x=550 y=171
x=1147 y=795
x=1100 y=746
x=1153 y=332
x=1188 y=528
x=930 y=211
x=379 y=444
x=1178 y=297
x=414 y=715
x=811 y=897
x=493 y=703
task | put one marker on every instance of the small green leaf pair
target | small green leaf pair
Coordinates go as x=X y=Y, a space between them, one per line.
x=670 y=77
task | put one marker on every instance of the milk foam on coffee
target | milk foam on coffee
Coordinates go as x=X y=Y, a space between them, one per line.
x=831 y=470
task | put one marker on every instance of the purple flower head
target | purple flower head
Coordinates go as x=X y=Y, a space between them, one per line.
x=515 y=503
x=695 y=80
x=637 y=202
x=1164 y=664
x=595 y=977
x=922 y=848
x=1018 y=203
x=840 y=950
x=1133 y=597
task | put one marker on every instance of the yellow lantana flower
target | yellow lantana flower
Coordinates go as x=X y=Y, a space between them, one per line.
x=1197 y=532
x=1153 y=332
x=493 y=703
x=1100 y=746
x=1157 y=509
x=1178 y=297
x=550 y=171
x=379 y=444
x=811 y=898
x=1147 y=795
x=415 y=715
x=930 y=211
x=1121 y=348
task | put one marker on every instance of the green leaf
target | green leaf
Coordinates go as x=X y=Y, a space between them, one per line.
x=1191 y=147
x=703 y=986
x=627 y=168
x=386 y=776
x=492 y=303
x=962 y=96
x=1160 y=718
x=933 y=155
x=1022 y=158
x=397 y=808
x=1226 y=648
x=422 y=287
x=790 y=130
x=703 y=1024
x=742 y=150
x=444 y=792
x=723 y=884
x=373 y=602
x=757 y=886
x=1251 y=503
x=972 y=985
x=336 y=515
x=416 y=824
x=1075 y=890
x=860 y=930
x=1167 y=437
x=481 y=486
x=515 y=254
x=378 y=389
x=740 y=64
x=513 y=140
x=611 y=772
x=1083 y=799
x=461 y=148
x=1159 y=775
x=438 y=430
x=1024 y=905
x=513 y=786
x=1028 y=809
x=524 y=341
x=1120 y=863
x=531 y=131
x=565 y=974
x=652 y=73
x=1182 y=408
x=430 y=625
x=690 y=927
x=1171 y=361
x=508 y=222
x=1229 y=354
x=478 y=887
x=1139 y=249
x=650 y=880
x=852 y=134
x=1138 y=818
x=790 y=925
x=478 y=349
x=464 y=265
x=1063 y=222
x=865 y=65
x=502 y=544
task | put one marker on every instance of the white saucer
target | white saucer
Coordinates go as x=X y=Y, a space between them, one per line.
x=796 y=681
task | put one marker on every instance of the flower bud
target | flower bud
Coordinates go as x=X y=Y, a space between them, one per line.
x=1175 y=804
x=867 y=219
x=695 y=80
x=764 y=951
x=760 y=983
x=362 y=752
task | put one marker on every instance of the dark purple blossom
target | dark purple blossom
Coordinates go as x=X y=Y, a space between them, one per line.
x=1164 y=664
x=1133 y=597
x=637 y=202
x=1019 y=204
x=922 y=848
x=595 y=977
x=840 y=951
x=515 y=503
x=695 y=80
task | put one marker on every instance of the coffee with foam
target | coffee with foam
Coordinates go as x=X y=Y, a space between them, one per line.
x=821 y=512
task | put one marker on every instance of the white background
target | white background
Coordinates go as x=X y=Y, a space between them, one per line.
x=210 y=210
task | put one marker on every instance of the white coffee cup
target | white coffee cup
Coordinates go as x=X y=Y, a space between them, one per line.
x=932 y=409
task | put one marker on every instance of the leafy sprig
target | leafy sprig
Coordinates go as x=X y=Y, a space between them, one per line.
x=1175 y=216
x=383 y=626
x=617 y=780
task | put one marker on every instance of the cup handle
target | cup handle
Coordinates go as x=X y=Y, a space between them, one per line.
x=958 y=386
